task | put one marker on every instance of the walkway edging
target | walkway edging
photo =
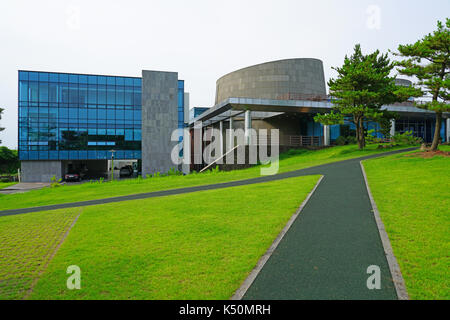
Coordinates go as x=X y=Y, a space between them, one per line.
x=394 y=267
x=239 y=293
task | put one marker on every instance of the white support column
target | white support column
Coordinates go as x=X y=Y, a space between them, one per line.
x=230 y=135
x=221 y=138
x=326 y=135
x=448 y=129
x=248 y=126
x=186 y=166
x=392 y=132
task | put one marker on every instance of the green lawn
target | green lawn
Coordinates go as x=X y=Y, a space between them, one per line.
x=192 y=246
x=288 y=162
x=413 y=197
x=6 y=184
x=27 y=243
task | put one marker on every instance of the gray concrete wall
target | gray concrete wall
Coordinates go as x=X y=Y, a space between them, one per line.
x=271 y=80
x=159 y=119
x=40 y=171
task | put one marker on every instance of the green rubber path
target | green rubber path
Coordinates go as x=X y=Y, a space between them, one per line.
x=326 y=252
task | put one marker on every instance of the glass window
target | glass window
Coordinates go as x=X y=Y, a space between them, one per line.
x=33 y=76
x=101 y=80
x=111 y=81
x=43 y=91
x=137 y=134
x=52 y=92
x=128 y=135
x=63 y=77
x=43 y=76
x=128 y=96
x=23 y=90
x=53 y=77
x=137 y=82
x=73 y=78
x=128 y=81
x=111 y=95
x=83 y=78
x=92 y=93
x=33 y=91
x=63 y=112
x=120 y=81
x=101 y=94
x=101 y=114
x=92 y=113
x=23 y=75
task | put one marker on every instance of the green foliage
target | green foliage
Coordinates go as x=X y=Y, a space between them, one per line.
x=55 y=183
x=433 y=75
x=341 y=141
x=362 y=87
x=406 y=138
x=351 y=140
x=174 y=172
x=9 y=160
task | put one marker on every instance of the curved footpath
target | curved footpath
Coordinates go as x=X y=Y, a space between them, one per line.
x=327 y=250
x=297 y=173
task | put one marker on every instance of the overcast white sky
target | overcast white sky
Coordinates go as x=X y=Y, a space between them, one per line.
x=201 y=40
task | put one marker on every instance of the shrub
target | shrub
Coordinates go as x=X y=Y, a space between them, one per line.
x=55 y=182
x=351 y=140
x=406 y=138
x=341 y=141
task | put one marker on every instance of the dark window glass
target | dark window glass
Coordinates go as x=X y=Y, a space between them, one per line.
x=111 y=95
x=23 y=75
x=33 y=76
x=63 y=77
x=101 y=94
x=23 y=90
x=73 y=78
x=53 y=92
x=111 y=81
x=53 y=77
x=43 y=92
x=137 y=82
x=43 y=76
x=33 y=91
x=101 y=80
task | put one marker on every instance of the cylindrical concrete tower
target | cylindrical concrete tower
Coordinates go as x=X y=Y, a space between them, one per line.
x=273 y=80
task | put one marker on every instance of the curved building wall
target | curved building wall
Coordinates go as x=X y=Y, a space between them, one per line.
x=403 y=82
x=273 y=80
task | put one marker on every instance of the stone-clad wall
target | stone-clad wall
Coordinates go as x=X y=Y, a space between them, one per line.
x=40 y=171
x=271 y=80
x=159 y=119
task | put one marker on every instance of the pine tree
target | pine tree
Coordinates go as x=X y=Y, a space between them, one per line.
x=433 y=75
x=362 y=87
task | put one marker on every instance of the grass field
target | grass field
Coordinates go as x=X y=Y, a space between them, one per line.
x=413 y=197
x=192 y=246
x=288 y=162
x=6 y=184
x=27 y=243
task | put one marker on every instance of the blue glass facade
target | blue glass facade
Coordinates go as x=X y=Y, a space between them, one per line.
x=81 y=117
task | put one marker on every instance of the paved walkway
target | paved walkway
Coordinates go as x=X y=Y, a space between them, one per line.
x=23 y=187
x=326 y=252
